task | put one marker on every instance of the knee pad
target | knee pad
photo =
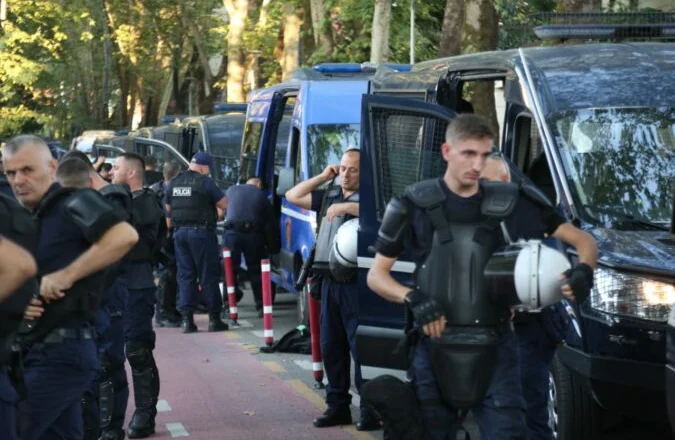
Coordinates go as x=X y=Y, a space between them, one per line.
x=395 y=403
x=139 y=355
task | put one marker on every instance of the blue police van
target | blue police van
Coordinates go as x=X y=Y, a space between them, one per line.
x=593 y=126
x=293 y=131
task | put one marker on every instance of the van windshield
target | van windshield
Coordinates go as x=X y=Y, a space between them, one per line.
x=620 y=162
x=327 y=142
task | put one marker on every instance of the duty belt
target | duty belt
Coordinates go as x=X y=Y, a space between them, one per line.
x=59 y=335
x=242 y=226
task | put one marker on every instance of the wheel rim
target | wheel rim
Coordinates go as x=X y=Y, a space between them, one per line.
x=552 y=406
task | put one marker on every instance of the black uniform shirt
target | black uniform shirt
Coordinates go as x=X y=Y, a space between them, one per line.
x=248 y=203
x=526 y=221
x=319 y=194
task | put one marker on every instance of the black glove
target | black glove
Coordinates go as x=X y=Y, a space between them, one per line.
x=580 y=279
x=424 y=308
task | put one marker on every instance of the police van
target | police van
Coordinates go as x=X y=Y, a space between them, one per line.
x=293 y=131
x=593 y=126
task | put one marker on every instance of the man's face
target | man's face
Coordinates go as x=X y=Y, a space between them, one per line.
x=120 y=171
x=30 y=173
x=466 y=160
x=349 y=171
x=105 y=174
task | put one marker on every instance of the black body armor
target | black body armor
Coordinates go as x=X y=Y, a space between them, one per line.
x=190 y=204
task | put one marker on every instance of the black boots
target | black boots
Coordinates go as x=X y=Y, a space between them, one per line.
x=215 y=324
x=188 y=323
x=334 y=416
x=146 y=390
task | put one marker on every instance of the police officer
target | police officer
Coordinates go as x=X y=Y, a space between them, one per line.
x=139 y=336
x=166 y=314
x=339 y=300
x=17 y=268
x=451 y=240
x=251 y=228
x=79 y=236
x=104 y=405
x=539 y=333
x=193 y=201
x=152 y=176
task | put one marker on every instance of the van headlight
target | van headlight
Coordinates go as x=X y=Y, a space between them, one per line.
x=631 y=295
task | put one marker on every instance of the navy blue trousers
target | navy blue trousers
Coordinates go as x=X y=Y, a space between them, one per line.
x=9 y=399
x=138 y=312
x=339 y=319
x=250 y=244
x=198 y=256
x=538 y=338
x=501 y=415
x=57 y=376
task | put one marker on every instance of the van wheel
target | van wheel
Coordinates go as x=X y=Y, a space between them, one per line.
x=303 y=307
x=573 y=413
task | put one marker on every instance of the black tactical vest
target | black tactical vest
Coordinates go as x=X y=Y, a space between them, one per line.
x=190 y=204
x=148 y=216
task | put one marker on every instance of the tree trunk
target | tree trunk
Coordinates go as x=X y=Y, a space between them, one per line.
x=323 y=37
x=379 y=47
x=291 y=51
x=451 y=31
x=480 y=34
x=237 y=10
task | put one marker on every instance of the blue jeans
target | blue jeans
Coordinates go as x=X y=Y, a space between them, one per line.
x=501 y=414
x=57 y=376
x=339 y=319
x=198 y=256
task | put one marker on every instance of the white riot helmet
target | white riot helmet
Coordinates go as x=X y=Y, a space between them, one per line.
x=529 y=268
x=342 y=260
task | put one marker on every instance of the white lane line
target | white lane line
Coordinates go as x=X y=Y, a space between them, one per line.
x=163 y=406
x=356 y=400
x=258 y=333
x=304 y=364
x=244 y=323
x=177 y=430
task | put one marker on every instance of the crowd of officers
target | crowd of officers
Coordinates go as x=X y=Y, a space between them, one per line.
x=96 y=243
x=82 y=244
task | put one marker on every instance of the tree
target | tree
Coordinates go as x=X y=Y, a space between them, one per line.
x=451 y=32
x=291 y=51
x=379 y=50
x=323 y=36
x=237 y=11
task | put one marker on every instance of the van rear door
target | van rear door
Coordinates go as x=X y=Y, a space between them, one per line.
x=400 y=145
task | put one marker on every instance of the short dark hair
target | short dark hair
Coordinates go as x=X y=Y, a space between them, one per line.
x=105 y=166
x=150 y=160
x=78 y=155
x=73 y=173
x=137 y=161
x=171 y=170
x=468 y=126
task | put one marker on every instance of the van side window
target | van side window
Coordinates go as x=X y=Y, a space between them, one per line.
x=327 y=142
x=296 y=156
x=249 y=149
x=530 y=156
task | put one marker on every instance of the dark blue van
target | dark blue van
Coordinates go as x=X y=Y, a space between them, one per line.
x=594 y=127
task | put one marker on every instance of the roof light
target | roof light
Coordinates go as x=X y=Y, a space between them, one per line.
x=338 y=68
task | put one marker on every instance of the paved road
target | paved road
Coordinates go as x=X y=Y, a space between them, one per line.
x=220 y=386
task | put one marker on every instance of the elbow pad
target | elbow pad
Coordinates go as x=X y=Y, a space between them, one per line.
x=91 y=213
x=394 y=222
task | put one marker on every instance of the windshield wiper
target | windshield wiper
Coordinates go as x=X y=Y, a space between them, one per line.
x=626 y=218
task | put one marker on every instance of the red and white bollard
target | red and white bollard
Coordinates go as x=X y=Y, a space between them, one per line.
x=229 y=282
x=267 y=302
x=315 y=335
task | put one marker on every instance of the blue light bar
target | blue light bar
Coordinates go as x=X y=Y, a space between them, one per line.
x=338 y=68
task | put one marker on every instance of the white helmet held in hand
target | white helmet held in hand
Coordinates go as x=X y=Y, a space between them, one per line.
x=343 y=254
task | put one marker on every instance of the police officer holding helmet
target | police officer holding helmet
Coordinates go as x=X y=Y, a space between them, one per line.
x=465 y=357
x=251 y=228
x=17 y=285
x=192 y=202
x=139 y=336
x=339 y=298
x=79 y=236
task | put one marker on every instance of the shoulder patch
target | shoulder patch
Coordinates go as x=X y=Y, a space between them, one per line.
x=535 y=195
x=426 y=193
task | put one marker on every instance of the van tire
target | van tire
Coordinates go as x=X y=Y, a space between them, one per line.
x=303 y=307
x=579 y=415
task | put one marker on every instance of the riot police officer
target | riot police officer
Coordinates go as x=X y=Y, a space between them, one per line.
x=166 y=314
x=453 y=225
x=251 y=228
x=192 y=201
x=139 y=336
x=339 y=299
x=17 y=285
x=79 y=236
x=104 y=405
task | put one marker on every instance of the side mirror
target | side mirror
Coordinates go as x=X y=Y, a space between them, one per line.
x=286 y=181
